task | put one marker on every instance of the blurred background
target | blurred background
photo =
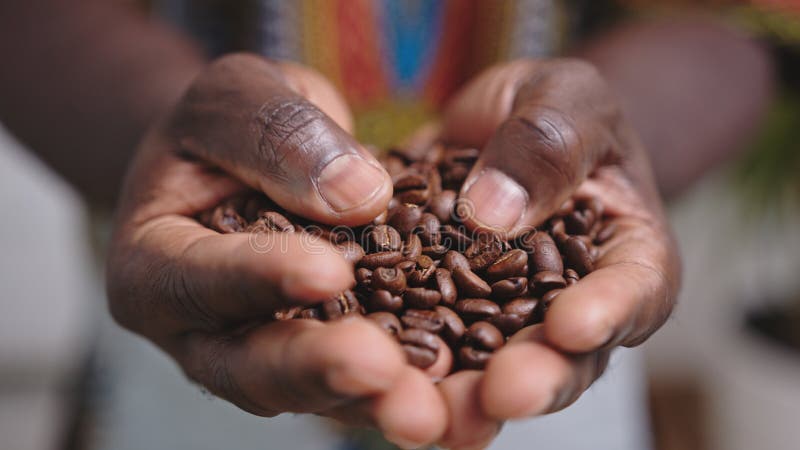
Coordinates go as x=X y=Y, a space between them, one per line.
x=723 y=374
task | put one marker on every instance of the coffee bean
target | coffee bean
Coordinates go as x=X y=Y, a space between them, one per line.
x=363 y=276
x=441 y=205
x=455 y=238
x=550 y=296
x=421 y=347
x=454 y=156
x=383 y=259
x=571 y=276
x=485 y=250
x=436 y=251
x=472 y=309
x=509 y=288
x=470 y=284
x=270 y=221
x=523 y=307
x=384 y=238
x=579 y=221
x=342 y=304
x=287 y=313
x=412 y=247
x=446 y=286
x=351 y=251
x=484 y=336
x=546 y=281
x=428 y=229
x=422 y=272
x=406 y=266
x=382 y=300
x=508 y=324
x=421 y=298
x=454 y=327
x=453 y=176
x=559 y=231
x=453 y=260
x=225 y=219
x=424 y=319
x=410 y=180
x=578 y=256
x=310 y=313
x=605 y=233
x=544 y=255
x=390 y=279
x=472 y=359
x=513 y=263
x=387 y=321
x=405 y=217
x=567 y=207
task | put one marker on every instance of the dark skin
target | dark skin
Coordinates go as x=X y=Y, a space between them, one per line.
x=250 y=123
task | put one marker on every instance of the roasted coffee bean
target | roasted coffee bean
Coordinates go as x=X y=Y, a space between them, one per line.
x=412 y=247
x=254 y=206
x=446 y=286
x=567 y=207
x=571 y=276
x=441 y=205
x=578 y=256
x=470 y=284
x=421 y=298
x=382 y=300
x=508 y=324
x=424 y=319
x=421 y=347
x=406 y=266
x=579 y=221
x=453 y=260
x=473 y=359
x=513 y=263
x=410 y=180
x=454 y=175
x=559 y=231
x=455 y=238
x=225 y=219
x=591 y=204
x=363 y=276
x=287 y=313
x=546 y=281
x=270 y=221
x=485 y=250
x=544 y=255
x=422 y=272
x=394 y=164
x=341 y=305
x=550 y=296
x=472 y=309
x=484 y=336
x=384 y=238
x=390 y=279
x=453 y=328
x=428 y=229
x=387 y=321
x=351 y=251
x=310 y=313
x=383 y=259
x=405 y=217
x=605 y=233
x=522 y=306
x=435 y=251
x=455 y=156
x=509 y=288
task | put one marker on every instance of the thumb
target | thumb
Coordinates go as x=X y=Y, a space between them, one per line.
x=544 y=126
x=281 y=129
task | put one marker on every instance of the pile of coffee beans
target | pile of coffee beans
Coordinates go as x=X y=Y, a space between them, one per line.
x=421 y=274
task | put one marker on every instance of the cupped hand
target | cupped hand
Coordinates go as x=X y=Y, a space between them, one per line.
x=549 y=130
x=206 y=298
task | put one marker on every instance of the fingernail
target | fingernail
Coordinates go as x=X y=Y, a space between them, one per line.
x=498 y=201
x=349 y=181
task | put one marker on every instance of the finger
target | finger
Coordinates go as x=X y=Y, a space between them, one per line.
x=627 y=298
x=544 y=126
x=411 y=415
x=469 y=428
x=443 y=364
x=527 y=377
x=247 y=116
x=294 y=366
x=172 y=275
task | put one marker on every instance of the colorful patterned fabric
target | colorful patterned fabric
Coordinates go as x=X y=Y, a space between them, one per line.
x=395 y=61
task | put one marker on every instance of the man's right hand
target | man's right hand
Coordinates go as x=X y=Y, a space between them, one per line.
x=206 y=298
